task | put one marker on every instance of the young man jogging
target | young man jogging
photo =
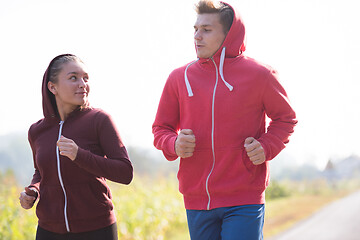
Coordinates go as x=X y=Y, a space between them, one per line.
x=212 y=115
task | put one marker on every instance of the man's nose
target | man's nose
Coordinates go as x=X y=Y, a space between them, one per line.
x=197 y=35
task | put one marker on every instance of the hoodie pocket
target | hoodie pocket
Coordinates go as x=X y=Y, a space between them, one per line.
x=258 y=174
x=193 y=172
x=88 y=201
x=234 y=172
x=51 y=204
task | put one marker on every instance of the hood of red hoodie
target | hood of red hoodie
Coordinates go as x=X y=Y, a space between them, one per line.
x=232 y=47
x=48 y=99
x=235 y=40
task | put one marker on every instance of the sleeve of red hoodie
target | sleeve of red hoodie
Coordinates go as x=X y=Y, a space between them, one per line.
x=116 y=166
x=166 y=122
x=283 y=118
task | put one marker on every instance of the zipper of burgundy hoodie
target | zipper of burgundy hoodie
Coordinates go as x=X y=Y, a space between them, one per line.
x=60 y=177
x=212 y=134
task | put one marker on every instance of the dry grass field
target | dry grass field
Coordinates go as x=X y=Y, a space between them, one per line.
x=152 y=209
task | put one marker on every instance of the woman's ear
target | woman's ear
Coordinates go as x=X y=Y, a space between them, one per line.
x=52 y=88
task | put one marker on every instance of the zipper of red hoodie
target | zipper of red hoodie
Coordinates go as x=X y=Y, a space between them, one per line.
x=212 y=134
x=60 y=177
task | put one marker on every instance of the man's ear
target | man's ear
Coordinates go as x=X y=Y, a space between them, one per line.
x=52 y=88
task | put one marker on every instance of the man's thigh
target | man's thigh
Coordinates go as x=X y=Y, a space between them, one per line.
x=243 y=222
x=204 y=224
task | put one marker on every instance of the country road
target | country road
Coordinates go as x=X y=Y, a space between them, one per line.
x=339 y=220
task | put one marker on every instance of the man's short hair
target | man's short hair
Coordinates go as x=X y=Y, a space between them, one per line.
x=226 y=13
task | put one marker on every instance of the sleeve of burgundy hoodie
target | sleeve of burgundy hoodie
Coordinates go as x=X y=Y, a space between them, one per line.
x=116 y=166
x=35 y=182
x=283 y=117
x=166 y=121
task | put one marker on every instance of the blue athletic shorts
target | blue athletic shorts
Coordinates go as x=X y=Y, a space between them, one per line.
x=236 y=223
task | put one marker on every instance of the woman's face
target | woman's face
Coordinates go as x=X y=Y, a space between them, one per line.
x=72 y=88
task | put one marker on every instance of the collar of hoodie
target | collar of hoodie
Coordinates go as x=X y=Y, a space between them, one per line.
x=221 y=71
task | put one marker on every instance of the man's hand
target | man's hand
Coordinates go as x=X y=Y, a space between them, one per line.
x=27 y=198
x=254 y=151
x=185 y=143
x=67 y=147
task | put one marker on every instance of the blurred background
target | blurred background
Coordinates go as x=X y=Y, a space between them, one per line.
x=131 y=47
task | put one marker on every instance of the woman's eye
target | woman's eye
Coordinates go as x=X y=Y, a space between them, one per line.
x=86 y=79
x=73 y=78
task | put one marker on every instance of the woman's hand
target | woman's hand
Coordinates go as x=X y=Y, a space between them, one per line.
x=67 y=147
x=27 y=198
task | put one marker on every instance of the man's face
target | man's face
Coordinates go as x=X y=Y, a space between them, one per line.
x=209 y=34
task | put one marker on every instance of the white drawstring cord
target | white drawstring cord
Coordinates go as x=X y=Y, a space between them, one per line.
x=188 y=87
x=221 y=70
x=221 y=67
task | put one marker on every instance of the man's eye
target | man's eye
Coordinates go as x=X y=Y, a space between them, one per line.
x=73 y=78
x=207 y=30
x=86 y=79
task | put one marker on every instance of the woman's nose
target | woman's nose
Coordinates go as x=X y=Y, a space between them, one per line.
x=82 y=83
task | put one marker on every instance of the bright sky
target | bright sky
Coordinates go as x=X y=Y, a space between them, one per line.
x=131 y=49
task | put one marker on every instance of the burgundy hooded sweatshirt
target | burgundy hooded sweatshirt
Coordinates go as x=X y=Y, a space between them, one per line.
x=73 y=195
x=224 y=100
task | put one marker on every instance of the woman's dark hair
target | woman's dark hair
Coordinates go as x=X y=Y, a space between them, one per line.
x=56 y=65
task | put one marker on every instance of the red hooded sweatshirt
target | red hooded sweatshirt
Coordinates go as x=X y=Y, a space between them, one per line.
x=74 y=196
x=224 y=100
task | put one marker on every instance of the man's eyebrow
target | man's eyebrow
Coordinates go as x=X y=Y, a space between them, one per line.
x=204 y=25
